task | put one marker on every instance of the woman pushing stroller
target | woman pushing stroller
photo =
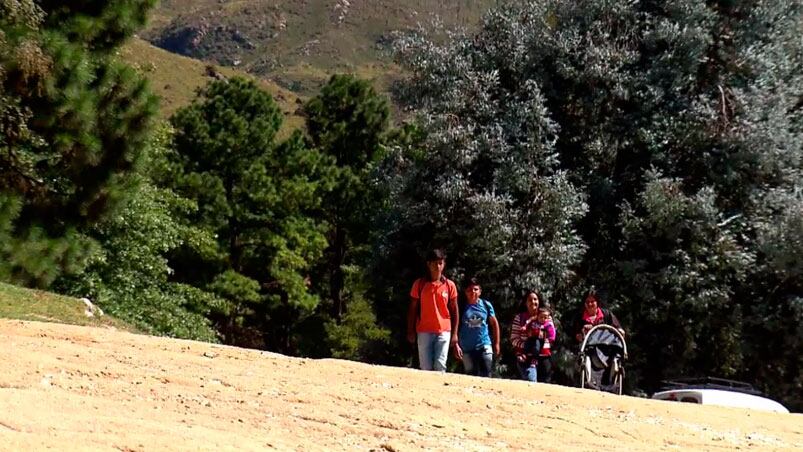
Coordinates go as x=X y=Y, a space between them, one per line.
x=592 y=314
x=603 y=349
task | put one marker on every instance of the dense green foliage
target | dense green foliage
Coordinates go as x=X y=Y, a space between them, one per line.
x=480 y=176
x=256 y=197
x=75 y=122
x=101 y=25
x=348 y=121
x=358 y=334
x=680 y=121
x=131 y=278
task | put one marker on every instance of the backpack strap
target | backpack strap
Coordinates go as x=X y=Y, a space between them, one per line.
x=421 y=283
x=485 y=304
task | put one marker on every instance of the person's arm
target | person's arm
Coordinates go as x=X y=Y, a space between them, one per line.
x=518 y=335
x=515 y=334
x=412 y=314
x=493 y=324
x=455 y=317
x=550 y=331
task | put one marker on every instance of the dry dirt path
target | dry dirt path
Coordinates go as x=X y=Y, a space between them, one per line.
x=80 y=388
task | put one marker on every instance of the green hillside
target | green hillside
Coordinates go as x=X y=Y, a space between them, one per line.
x=176 y=79
x=27 y=304
x=299 y=44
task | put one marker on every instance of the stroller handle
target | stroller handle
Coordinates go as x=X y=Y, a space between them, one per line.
x=612 y=329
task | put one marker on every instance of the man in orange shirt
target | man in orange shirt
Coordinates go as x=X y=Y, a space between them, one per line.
x=432 y=316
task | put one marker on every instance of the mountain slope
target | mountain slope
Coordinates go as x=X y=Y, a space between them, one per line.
x=299 y=43
x=176 y=79
x=89 y=388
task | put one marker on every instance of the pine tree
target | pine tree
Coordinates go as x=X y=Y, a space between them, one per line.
x=75 y=122
x=348 y=121
x=256 y=197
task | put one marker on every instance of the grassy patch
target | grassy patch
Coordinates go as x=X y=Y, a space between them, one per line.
x=26 y=304
x=176 y=80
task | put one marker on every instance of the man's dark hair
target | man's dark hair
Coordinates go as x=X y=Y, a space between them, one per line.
x=435 y=254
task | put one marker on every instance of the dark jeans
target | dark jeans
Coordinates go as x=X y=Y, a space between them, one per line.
x=545 y=369
x=478 y=362
x=532 y=346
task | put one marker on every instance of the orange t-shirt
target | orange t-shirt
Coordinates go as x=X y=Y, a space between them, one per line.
x=434 y=304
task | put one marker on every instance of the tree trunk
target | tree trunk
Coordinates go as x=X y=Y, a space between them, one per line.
x=337 y=278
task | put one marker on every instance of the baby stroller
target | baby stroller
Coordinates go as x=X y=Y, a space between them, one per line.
x=602 y=356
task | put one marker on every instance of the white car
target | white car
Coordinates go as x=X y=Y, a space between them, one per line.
x=716 y=391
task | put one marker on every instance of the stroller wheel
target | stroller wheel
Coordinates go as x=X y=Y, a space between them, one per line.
x=619 y=380
x=585 y=372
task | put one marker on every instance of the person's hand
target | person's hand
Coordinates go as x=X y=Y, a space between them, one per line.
x=411 y=337
x=521 y=358
x=586 y=328
x=541 y=334
x=458 y=352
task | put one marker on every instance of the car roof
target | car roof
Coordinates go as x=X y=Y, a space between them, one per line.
x=710 y=383
x=723 y=398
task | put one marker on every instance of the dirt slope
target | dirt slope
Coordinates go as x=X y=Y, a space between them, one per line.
x=71 y=387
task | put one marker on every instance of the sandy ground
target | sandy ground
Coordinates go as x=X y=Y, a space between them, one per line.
x=80 y=388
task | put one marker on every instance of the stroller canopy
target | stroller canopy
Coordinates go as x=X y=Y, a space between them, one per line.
x=601 y=358
x=606 y=336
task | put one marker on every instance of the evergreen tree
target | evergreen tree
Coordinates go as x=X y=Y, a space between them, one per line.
x=100 y=24
x=130 y=279
x=772 y=340
x=348 y=121
x=75 y=122
x=256 y=197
